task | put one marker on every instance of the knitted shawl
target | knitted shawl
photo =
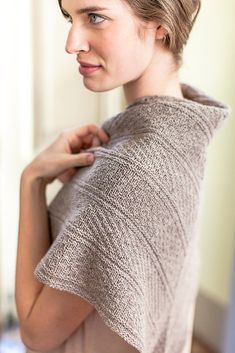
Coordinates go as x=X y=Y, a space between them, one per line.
x=124 y=228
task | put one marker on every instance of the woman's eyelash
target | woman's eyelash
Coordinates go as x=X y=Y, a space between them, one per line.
x=69 y=20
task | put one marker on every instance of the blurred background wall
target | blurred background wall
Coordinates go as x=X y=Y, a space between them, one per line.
x=42 y=93
x=209 y=59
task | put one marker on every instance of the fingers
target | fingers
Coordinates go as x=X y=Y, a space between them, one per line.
x=67 y=175
x=95 y=142
x=101 y=134
x=87 y=140
x=85 y=136
x=79 y=160
x=93 y=129
x=65 y=152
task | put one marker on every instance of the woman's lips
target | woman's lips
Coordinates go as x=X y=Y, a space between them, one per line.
x=85 y=70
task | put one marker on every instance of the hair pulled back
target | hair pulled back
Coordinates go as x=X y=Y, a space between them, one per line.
x=176 y=16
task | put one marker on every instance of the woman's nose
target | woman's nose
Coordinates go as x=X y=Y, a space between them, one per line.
x=76 y=41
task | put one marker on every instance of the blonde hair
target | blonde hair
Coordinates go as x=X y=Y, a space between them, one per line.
x=176 y=16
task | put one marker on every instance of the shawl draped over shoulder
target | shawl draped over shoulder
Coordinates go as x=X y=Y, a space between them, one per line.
x=124 y=229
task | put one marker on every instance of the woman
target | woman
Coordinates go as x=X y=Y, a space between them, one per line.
x=111 y=265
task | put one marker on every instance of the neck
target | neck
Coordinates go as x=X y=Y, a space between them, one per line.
x=159 y=78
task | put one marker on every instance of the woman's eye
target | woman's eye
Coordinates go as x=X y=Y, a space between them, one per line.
x=90 y=15
x=95 y=15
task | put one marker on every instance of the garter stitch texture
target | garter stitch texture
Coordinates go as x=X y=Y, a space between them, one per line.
x=124 y=228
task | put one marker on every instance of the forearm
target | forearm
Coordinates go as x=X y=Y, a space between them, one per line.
x=33 y=242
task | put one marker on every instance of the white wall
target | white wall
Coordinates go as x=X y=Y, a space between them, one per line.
x=16 y=130
x=209 y=64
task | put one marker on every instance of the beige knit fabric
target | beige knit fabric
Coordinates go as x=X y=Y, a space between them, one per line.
x=125 y=228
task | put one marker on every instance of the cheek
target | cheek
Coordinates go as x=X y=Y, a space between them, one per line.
x=120 y=51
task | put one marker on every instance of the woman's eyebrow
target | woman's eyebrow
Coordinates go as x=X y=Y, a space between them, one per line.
x=87 y=9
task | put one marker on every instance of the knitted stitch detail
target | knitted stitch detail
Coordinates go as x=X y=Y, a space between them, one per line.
x=124 y=229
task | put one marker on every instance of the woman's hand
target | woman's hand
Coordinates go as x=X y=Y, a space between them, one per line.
x=62 y=157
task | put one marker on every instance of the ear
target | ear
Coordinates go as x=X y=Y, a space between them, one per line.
x=161 y=32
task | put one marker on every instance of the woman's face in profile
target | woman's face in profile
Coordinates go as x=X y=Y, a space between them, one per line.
x=107 y=37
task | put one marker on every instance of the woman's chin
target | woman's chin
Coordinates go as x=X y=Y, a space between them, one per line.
x=97 y=86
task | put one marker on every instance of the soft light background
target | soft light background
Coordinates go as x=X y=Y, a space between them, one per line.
x=209 y=64
x=42 y=93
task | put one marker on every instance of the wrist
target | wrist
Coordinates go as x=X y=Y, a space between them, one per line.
x=30 y=176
